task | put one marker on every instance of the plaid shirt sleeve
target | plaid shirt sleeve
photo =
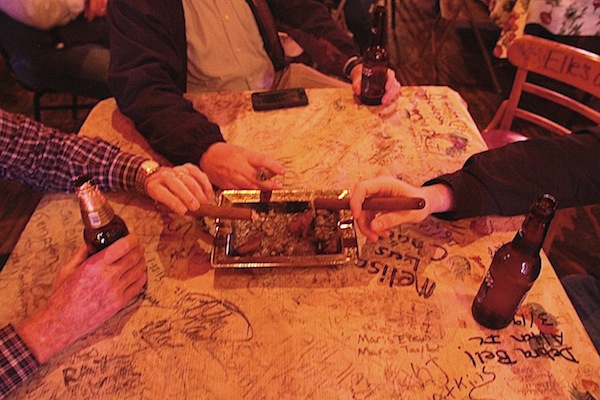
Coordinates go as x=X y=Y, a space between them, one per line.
x=17 y=362
x=47 y=159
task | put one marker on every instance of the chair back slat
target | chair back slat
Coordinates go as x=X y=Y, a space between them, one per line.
x=571 y=65
x=542 y=121
x=562 y=100
x=568 y=77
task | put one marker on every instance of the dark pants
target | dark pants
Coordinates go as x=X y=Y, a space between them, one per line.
x=71 y=59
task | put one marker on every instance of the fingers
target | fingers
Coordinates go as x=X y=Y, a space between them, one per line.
x=392 y=88
x=125 y=262
x=133 y=279
x=264 y=180
x=95 y=8
x=363 y=223
x=234 y=167
x=116 y=251
x=264 y=170
x=201 y=186
x=69 y=268
x=271 y=166
x=181 y=188
x=374 y=225
x=356 y=78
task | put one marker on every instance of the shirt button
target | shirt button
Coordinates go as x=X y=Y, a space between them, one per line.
x=226 y=17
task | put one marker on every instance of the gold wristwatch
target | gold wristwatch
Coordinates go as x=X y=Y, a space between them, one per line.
x=146 y=169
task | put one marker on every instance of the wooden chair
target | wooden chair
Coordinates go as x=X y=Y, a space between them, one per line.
x=560 y=76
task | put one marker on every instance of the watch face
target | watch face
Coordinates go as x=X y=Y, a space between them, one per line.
x=150 y=166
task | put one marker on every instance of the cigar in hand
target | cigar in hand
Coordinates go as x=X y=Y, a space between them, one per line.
x=371 y=203
x=224 y=212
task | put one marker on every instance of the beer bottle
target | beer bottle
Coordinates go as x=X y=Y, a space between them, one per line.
x=375 y=61
x=102 y=226
x=515 y=266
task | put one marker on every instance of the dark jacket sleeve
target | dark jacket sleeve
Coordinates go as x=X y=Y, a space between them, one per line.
x=506 y=180
x=147 y=76
x=310 y=24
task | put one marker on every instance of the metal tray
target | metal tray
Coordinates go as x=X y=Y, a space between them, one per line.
x=222 y=253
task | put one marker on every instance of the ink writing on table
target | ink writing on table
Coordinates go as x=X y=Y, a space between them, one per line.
x=400 y=277
x=92 y=374
x=397 y=262
x=514 y=347
x=431 y=380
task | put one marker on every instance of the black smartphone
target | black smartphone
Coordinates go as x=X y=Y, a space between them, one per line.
x=274 y=99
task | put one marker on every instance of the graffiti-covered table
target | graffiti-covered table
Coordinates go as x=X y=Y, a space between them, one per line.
x=394 y=325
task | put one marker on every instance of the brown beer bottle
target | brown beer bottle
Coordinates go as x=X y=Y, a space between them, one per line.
x=375 y=61
x=515 y=266
x=102 y=226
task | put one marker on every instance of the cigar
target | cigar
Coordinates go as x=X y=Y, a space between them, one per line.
x=224 y=212
x=371 y=203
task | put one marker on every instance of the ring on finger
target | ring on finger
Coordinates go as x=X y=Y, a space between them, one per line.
x=261 y=176
x=181 y=174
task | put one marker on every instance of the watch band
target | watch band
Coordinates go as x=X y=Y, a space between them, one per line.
x=146 y=169
x=350 y=64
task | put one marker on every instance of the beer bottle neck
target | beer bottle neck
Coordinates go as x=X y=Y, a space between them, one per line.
x=378 y=28
x=530 y=238
x=95 y=210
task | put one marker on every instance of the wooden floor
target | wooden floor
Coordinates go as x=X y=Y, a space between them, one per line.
x=575 y=233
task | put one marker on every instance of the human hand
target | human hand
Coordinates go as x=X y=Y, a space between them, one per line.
x=233 y=167
x=87 y=292
x=392 y=86
x=94 y=9
x=180 y=188
x=438 y=198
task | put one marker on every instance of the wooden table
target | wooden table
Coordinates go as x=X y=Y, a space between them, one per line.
x=397 y=325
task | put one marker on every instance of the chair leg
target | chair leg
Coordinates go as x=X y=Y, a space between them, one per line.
x=484 y=52
x=487 y=59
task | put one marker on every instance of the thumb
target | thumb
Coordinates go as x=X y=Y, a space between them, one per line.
x=71 y=266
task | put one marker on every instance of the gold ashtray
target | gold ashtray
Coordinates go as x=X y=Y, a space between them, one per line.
x=286 y=231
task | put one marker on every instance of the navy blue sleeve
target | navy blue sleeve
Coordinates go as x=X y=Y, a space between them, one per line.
x=504 y=181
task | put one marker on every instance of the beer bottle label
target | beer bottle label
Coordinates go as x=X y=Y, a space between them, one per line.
x=94 y=219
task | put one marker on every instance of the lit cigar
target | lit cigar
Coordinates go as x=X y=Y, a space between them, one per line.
x=224 y=212
x=371 y=203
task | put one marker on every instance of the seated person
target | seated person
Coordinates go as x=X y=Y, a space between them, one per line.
x=161 y=50
x=504 y=181
x=57 y=46
x=48 y=159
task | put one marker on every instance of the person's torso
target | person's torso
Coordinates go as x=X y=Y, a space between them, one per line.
x=224 y=47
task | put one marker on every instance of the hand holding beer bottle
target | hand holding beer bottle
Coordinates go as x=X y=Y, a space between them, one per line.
x=375 y=61
x=102 y=226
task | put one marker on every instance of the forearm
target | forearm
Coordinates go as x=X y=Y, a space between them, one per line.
x=44 y=336
x=505 y=181
x=47 y=159
x=149 y=82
